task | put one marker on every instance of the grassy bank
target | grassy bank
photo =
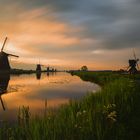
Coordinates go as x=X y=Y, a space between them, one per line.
x=111 y=114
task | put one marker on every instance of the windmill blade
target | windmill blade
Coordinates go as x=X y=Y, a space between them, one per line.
x=127 y=68
x=13 y=55
x=138 y=66
x=2 y=103
x=134 y=54
x=4 y=44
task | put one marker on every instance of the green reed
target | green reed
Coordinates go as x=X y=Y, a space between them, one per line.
x=110 y=114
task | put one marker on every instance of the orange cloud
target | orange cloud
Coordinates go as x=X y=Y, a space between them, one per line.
x=34 y=28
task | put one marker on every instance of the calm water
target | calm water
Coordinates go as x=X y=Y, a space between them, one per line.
x=33 y=91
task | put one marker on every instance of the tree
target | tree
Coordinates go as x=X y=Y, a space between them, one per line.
x=84 y=68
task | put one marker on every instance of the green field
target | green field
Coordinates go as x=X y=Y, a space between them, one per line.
x=113 y=113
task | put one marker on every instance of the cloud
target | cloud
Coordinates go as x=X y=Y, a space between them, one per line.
x=115 y=23
x=74 y=31
x=33 y=31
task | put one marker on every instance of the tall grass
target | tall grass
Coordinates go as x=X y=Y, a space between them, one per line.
x=110 y=114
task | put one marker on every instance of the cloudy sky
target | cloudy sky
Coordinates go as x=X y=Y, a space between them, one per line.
x=70 y=33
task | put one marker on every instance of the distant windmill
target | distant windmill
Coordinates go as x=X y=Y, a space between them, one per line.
x=133 y=64
x=4 y=62
x=48 y=68
x=38 y=68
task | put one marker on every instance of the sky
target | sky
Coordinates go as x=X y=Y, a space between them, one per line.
x=68 y=34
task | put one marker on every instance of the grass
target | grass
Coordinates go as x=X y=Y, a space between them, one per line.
x=111 y=114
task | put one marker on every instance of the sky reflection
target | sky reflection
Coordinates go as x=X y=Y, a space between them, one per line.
x=58 y=89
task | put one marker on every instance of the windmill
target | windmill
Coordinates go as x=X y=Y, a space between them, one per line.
x=38 y=68
x=38 y=71
x=133 y=64
x=49 y=69
x=4 y=62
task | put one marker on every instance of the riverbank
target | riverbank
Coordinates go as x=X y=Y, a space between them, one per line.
x=110 y=114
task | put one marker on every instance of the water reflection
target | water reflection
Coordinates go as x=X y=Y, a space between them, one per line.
x=48 y=74
x=51 y=73
x=38 y=75
x=4 y=81
x=33 y=90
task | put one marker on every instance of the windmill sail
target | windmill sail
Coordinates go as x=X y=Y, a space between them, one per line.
x=12 y=55
x=134 y=54
x=2 y=103
x=136 y=59
x=4 y=44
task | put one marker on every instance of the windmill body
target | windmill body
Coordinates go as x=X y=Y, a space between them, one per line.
x=38 y=68
x=48 y=69
x=133 y=65
x=4 y=62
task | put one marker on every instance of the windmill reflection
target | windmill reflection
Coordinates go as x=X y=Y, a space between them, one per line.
x=48 y=74
x=4 y=81
x=38 y=75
